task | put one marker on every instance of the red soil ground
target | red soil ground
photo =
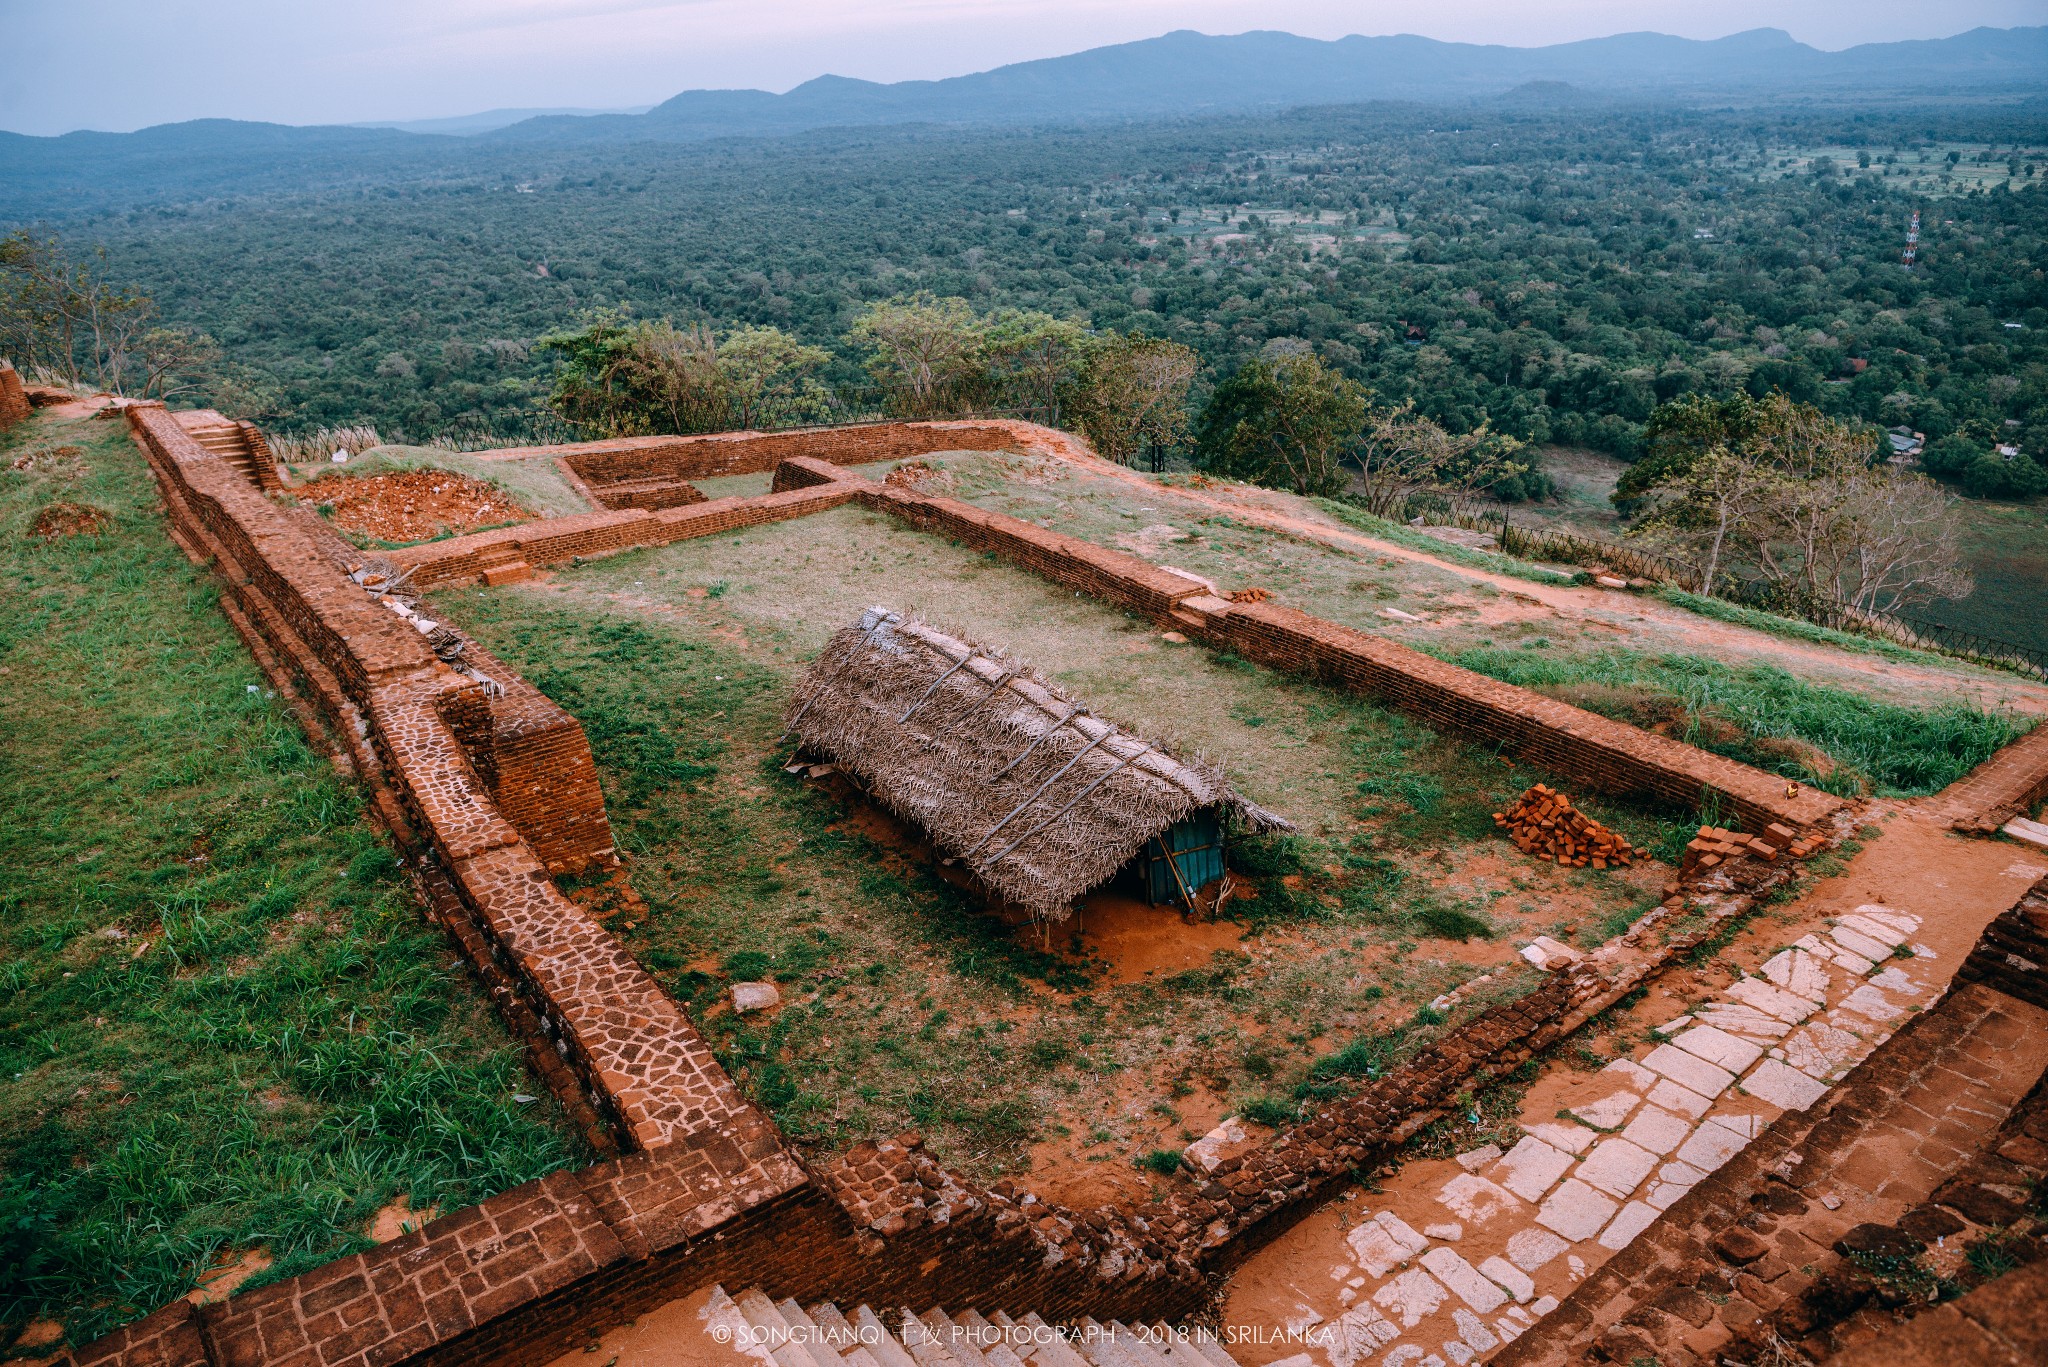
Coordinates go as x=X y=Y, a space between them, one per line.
x=404 y=506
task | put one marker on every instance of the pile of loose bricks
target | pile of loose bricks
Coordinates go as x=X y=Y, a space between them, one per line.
x=706 y=1189
x=1544 y=823
x=1716 y=845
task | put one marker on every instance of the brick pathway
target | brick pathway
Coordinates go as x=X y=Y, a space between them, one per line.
x=1450 y=1262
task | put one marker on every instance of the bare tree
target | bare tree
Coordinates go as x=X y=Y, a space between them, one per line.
x=1400 y=454
x=1796 y=500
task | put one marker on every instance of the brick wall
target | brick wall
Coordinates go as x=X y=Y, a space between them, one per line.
x=536 y=763
x=14 y=405
x=2012 y=953
x=1590 y=749
x=471 y=559
x=1112 y=576
x=2011 y=783
x=600 y=464
x=634 y=1051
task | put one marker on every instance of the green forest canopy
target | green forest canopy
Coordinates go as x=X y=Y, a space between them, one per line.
x=1553 y=273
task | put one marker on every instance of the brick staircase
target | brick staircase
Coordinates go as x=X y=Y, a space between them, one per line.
x=784 y=1334
x=242 y=444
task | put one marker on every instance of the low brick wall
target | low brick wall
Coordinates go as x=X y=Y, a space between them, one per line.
x=634 y=459
x=1588 y=748
x=2012 y=953
x=642 y=1063
x=1112 y=576
x=469 y=559
x=533 y=758
x=14 y=404
x=2011 y=783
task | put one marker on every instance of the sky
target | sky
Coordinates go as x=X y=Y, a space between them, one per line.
x=132 y=63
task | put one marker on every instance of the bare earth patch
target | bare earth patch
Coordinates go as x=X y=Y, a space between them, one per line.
x=413 y=505
x=69 y=519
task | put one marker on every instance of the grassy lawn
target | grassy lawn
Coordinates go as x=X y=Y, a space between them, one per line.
x=1764 y=716
x=224 y=1024
x=1795 y=699
x=2006 y=545
x=907 y=1003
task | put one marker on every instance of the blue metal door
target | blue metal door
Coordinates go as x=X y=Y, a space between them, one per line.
x=1195 y=847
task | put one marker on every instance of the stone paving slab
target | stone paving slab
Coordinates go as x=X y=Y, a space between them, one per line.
x=1570 y=1195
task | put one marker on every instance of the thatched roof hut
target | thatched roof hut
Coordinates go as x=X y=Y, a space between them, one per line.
x=1006 y=773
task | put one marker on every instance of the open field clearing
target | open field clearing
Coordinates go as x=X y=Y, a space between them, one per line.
x=1724 y=686
x=907 y=1002
x=228 y=1038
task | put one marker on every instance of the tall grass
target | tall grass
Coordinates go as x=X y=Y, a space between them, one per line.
x=1897 y=751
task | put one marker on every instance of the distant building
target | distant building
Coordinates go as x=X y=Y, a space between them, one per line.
x=1906 y=445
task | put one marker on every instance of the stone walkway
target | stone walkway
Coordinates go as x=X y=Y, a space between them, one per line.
x=1455 y=1259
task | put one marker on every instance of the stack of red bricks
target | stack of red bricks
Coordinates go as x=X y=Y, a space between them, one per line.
x=1715 y=845
x=1544 y=823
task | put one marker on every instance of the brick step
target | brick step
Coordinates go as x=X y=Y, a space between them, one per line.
x=784 y=1334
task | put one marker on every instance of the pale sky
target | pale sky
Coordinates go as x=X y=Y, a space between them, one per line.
x=123 y=64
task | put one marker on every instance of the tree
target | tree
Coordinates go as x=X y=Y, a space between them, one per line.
x=65 y=317
x=925 y=351
x=766 y=374
x=1133 y=392
x=1033 y=360
x=1777 y=492
x=1285 y=420
x=619 y=377
x=1401 y=455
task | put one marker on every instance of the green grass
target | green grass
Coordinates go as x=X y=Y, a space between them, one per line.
x=1791 y=628
x=223 y=1021
x=1414 y=540
x=1751 y=713
x=907 y=1002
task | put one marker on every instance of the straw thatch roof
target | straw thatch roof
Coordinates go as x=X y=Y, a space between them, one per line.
x=1040 y=799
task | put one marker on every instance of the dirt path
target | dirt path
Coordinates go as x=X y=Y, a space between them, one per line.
x=1451 y=1257
x=1603 y=607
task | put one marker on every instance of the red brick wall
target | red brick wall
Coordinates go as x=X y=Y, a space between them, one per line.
x=2008 y=784
x=1588 y=748
x=14 y=405
x=2012 y=953
x=744 y=453
x=643 y=1064
x=463 y=559
x=536 y=762
x=1112 y=576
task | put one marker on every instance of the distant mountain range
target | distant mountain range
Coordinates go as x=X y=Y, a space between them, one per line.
x=1181 y=74
x=1192 y=73
x=468 y=125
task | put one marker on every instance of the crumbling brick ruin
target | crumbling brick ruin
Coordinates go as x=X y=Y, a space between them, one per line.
x=14 y=404
x=487 y=795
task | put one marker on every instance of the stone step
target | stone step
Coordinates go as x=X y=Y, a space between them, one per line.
x=788 y=1335
x=1048 y=1348
x=773 y=1330
x=875 y=1336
